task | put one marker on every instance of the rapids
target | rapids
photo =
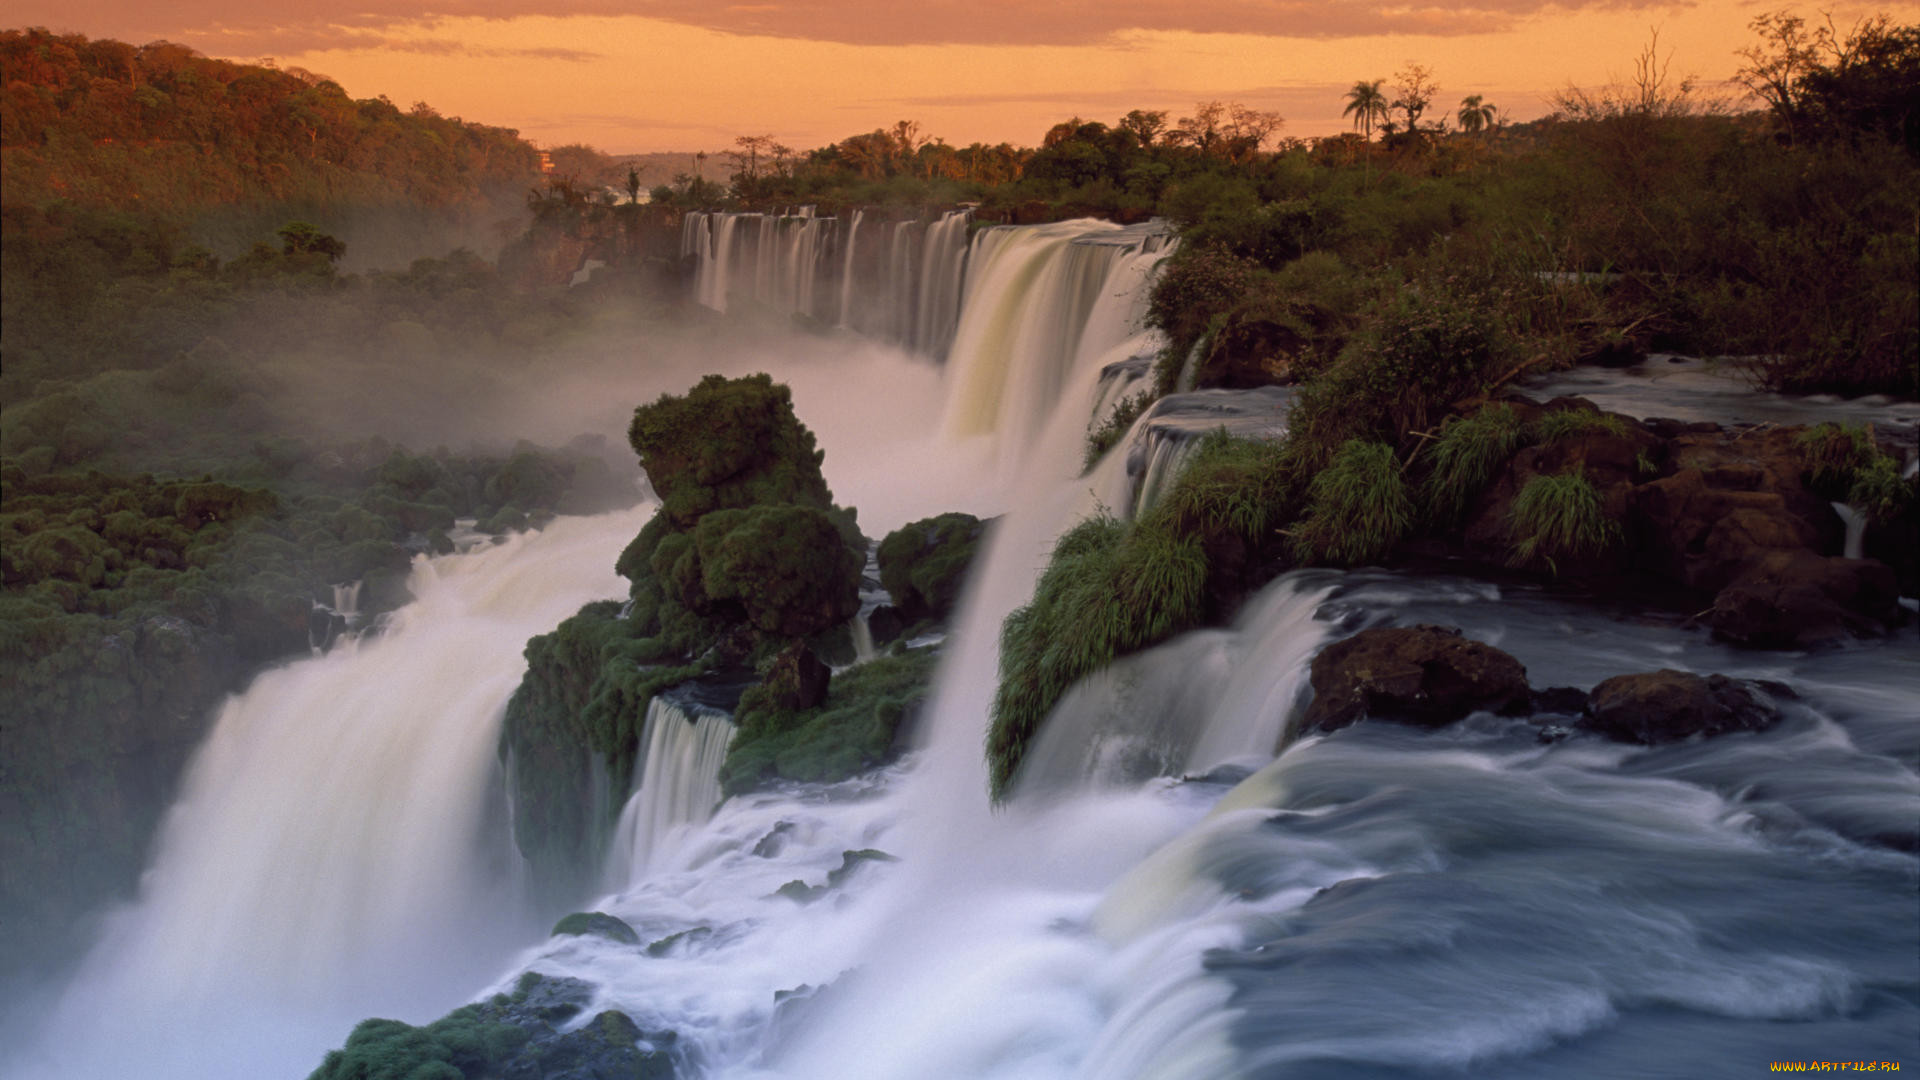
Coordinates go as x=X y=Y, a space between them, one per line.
x=1168 y=895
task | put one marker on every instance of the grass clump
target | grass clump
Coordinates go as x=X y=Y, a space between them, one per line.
x=1110 y=589
x=1560 y=517
x=1357 y=507
x=1878 y=491
x=1560 y=424
x=1834 y=454
x=1465 y=457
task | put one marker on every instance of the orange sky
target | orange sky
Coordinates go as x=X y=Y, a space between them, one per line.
x=637 y=75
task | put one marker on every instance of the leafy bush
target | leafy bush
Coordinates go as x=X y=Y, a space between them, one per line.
x=1115 y=427
x=923 y=565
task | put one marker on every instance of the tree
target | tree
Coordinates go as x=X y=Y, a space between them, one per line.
x=1475 y=114
x=1146 y=125
x=746 y=160
x=633 y=185
x=303 y=238
x=1247 y=130
x=1777 y=64
x=1366 y=102
x=1413 y=93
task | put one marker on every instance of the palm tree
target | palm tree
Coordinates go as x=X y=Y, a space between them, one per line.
x=1475 y=114
x=1366 y=102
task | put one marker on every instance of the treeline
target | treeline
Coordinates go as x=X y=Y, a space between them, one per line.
x=161 y=128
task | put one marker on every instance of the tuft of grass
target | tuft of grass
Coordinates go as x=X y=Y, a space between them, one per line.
x=1569 y=423
x=1560 y=517
x=1110 y=589
x=1835 y=454
x=1357 y=507
x=1465 y=457
x=1228 y=485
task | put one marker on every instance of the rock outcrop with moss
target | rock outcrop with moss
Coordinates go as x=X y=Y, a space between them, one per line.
x=746 y=557
x=509 y=1035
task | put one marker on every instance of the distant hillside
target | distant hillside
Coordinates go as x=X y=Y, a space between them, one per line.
x=160 y=128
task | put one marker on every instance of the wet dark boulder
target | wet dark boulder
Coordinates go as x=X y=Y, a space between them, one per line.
x=1424 y=675
x=1797 y=599
x=885 y=624
x=1668 y=706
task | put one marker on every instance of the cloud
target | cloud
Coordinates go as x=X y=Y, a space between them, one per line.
x=242 y=27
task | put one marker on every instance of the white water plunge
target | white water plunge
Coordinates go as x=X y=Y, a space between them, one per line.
x=682 y=749
x=338 y=848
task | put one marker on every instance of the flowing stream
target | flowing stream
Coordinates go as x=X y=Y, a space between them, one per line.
x=1175 y=890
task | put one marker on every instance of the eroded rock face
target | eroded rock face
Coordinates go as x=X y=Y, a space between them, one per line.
x=1668 y=706
x=1424 y=675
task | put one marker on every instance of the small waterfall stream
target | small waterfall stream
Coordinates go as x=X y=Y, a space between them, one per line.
x=682 y=747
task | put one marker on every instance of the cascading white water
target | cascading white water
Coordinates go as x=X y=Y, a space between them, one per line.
x=337 y=849
x=1042 y=303
x=1177 y=930
x=1856 y=523
x=679 y=783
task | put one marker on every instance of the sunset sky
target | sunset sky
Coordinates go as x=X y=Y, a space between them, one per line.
x=642 y=75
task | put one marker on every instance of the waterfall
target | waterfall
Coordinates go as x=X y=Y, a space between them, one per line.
x=1856 y=523
x=338 y=848
x=903 y=288
x=943 y=262
x=846 y=272
x=682 y=747
x=1042 y=302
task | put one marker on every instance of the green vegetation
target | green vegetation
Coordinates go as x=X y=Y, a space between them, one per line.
x=1844 y=463
x=596 y=924
x=855 y=729
x=1113 y=587
x=1551 y=427
x=1357 y=507
x=1559 y=518
x=1466 y=456
x=105 y=123
x=1115 y=427
x=923 y=565
x=508 y=1035
x=746 y=556
x=1835 y=454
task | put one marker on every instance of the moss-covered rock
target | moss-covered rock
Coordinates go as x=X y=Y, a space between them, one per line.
x=596 y=924
x=861 y=724
x=509 y=1035
x=746 y=557
x=924 y=564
